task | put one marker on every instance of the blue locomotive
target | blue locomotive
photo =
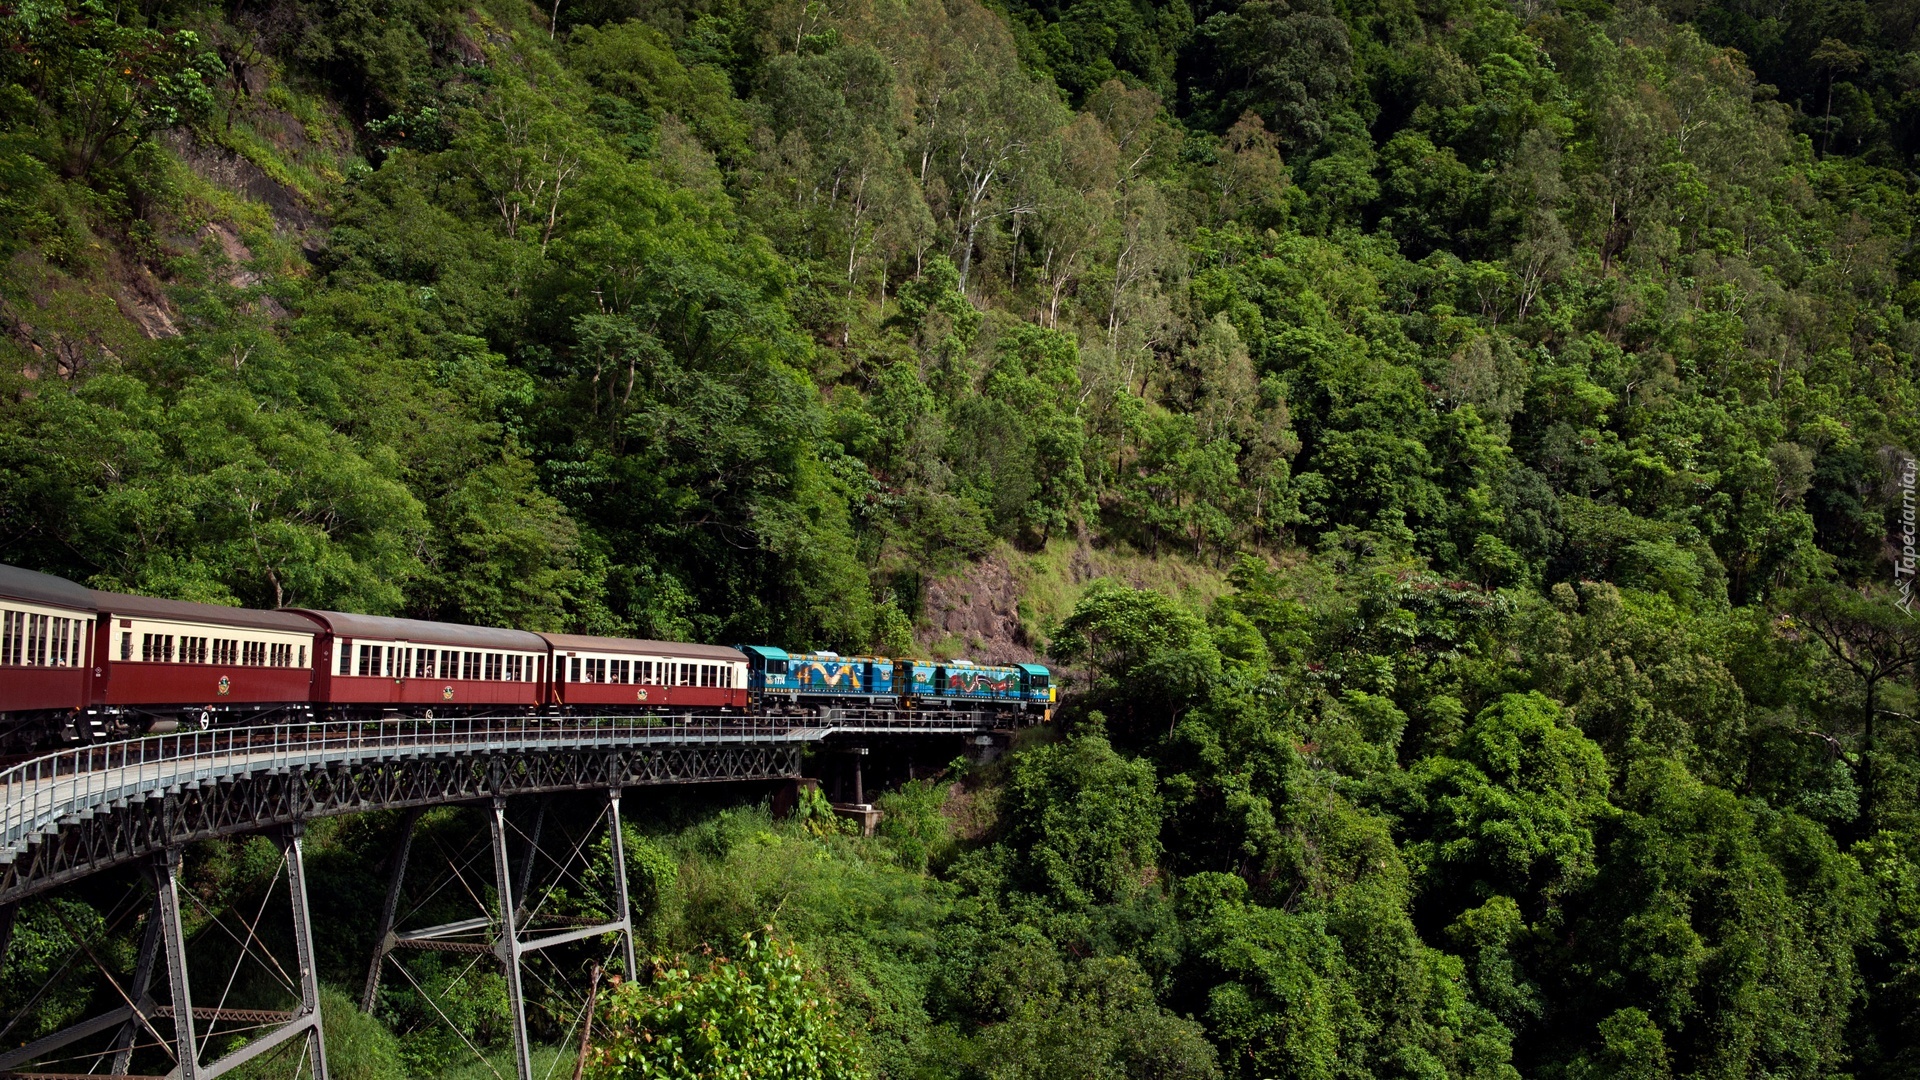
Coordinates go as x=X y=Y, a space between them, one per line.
x=775 y=676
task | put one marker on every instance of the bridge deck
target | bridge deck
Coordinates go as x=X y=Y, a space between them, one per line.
x=41 y=796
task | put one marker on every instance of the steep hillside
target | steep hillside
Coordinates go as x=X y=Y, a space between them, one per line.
x=1457 y=449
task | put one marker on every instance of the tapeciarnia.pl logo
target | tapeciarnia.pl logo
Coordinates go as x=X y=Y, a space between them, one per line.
x=1904 y=559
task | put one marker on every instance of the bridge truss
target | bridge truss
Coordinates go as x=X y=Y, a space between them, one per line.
x=77 y=812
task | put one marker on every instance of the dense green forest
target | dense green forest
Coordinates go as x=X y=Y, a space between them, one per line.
x=1528 y=384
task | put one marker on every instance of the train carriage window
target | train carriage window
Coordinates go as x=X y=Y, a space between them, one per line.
x=345 y=646
x=7 y=636
x=303 y=657
x=422 y=663
x=449 y=663
x=573 y=669
x=369 y=661
x=126 y=644
x=493 y=666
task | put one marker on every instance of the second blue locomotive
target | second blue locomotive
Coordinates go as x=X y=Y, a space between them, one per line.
x=775 y=676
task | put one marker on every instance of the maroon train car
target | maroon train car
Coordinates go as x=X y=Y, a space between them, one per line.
x=46 y=644
x=611 y=674
x=173 y=659
x=375 y=664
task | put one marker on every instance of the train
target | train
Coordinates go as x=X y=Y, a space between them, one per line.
x=79 y=666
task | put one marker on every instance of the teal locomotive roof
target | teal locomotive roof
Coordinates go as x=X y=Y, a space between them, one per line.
x=1033 y=669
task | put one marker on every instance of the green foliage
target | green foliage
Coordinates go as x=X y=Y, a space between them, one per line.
x=48 y=937
x=1536 y=374
x=1515 y=810
x=760 y=1014
x=1083 y=821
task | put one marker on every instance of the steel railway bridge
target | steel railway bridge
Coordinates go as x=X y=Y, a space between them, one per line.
x=80 y=811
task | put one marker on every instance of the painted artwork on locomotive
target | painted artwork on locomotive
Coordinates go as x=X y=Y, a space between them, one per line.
x=780 y=675
x=772 y=670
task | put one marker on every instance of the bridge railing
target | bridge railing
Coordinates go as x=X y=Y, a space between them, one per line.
x=37 y=793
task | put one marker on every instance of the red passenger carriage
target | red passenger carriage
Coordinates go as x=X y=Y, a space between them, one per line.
x=374 y=664
x=46 y=643
x=620 y=674
x=171 y=659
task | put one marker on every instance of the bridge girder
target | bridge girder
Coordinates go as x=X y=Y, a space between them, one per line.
x=139 y=828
